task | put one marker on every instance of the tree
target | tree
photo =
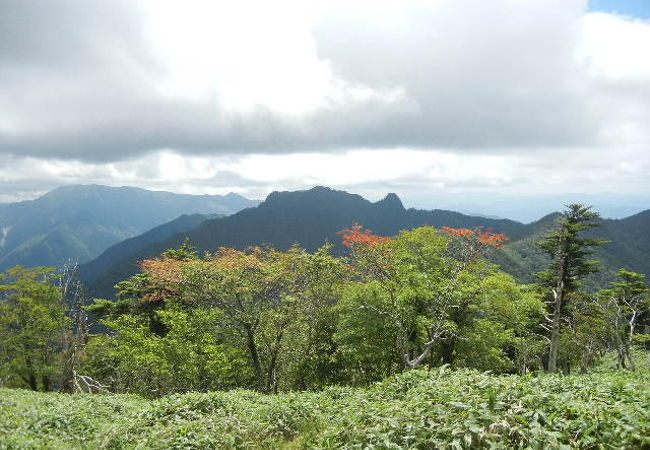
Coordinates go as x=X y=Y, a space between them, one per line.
x=75 y=338
x=502 y=333
x=585 y=334
x=272 y=299
x=147 y=293
x=569 y=252
x=195 y=354
x=623 y=304
x=411 y=295
x=272 y=307
x=33 y=322
x=384 y=314
x=449 y=308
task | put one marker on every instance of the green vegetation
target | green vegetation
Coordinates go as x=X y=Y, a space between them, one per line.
x=313 y=217
x=32 y=320
x=382 y=347
x=77 y=223
x=568 y=252
x=42 y=328
x=628 y=246
x=310 y=218
x=277 y=321
x=440 y=408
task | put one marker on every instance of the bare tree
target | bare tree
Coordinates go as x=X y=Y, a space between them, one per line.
x=623 y=306
x=75 y=335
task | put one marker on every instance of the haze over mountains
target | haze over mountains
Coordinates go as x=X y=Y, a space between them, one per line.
x=313 y=217
x=79 y=222
x=528 y=207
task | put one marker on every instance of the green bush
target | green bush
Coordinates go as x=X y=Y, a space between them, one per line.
x=441 y=408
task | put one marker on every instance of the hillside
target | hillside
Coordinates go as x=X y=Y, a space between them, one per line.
x=418 y=409
x=313 y=217
x=628 y=247
x=79 y=222
x=309 y=218
x=521 y=257
x=630 y=242
x=117 y=252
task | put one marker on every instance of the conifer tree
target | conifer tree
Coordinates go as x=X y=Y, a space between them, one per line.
x=569 y=251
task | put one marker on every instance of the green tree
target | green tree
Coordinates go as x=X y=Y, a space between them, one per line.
x=623 y=305
x=502 y=331
x=272 y=306
x=389 y=311
x=569 y=251
x=413 y=297
x=585 y=334
x=272 y=299
x=33 y=323
x=147 y=293
x=196 y=354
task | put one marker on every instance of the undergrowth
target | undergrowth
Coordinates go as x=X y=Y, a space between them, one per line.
x=440 y=408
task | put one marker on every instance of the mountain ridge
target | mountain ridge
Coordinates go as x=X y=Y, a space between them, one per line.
x=315 y=216
x=78 y=222
x=307 y=217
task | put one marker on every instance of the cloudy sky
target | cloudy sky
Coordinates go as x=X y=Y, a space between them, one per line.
x=414 y=97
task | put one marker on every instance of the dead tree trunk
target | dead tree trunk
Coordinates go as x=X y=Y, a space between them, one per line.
x=558 y=298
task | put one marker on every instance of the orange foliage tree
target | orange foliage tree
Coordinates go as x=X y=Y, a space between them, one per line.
x=357 y=236
x=423 y=274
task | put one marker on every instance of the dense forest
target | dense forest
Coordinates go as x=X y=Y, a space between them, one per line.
x=313 y=217
x=277 y=321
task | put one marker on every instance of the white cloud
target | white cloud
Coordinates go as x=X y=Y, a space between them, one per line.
x=245 y=54
x=204 y=96
x=612 y=47
x=410 y=173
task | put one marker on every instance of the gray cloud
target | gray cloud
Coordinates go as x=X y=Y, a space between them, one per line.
x=80 y=80
x=68 y=33
x=82 y=86
x=483 y=73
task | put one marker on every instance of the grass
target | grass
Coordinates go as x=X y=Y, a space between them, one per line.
x=420 y=409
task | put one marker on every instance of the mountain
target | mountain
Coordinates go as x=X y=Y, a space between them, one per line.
x=79 y=222
x=313 y=217
x=309 y=218
x=522 y=258
x=106 y=262
x=628 y=247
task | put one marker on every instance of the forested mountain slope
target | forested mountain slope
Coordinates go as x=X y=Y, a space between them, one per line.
x=628 y=247
x=313 y=217
x=309 y=218
x=121 y=250
x=79 y=222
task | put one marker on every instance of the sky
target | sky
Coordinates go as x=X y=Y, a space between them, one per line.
x=630 y=8
x=429 y=99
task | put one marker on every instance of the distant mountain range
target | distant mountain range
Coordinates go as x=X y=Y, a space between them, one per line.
x=313 y=217
x=77 y=223
x=110 y=229
x=525 y=207
x=309 y=218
